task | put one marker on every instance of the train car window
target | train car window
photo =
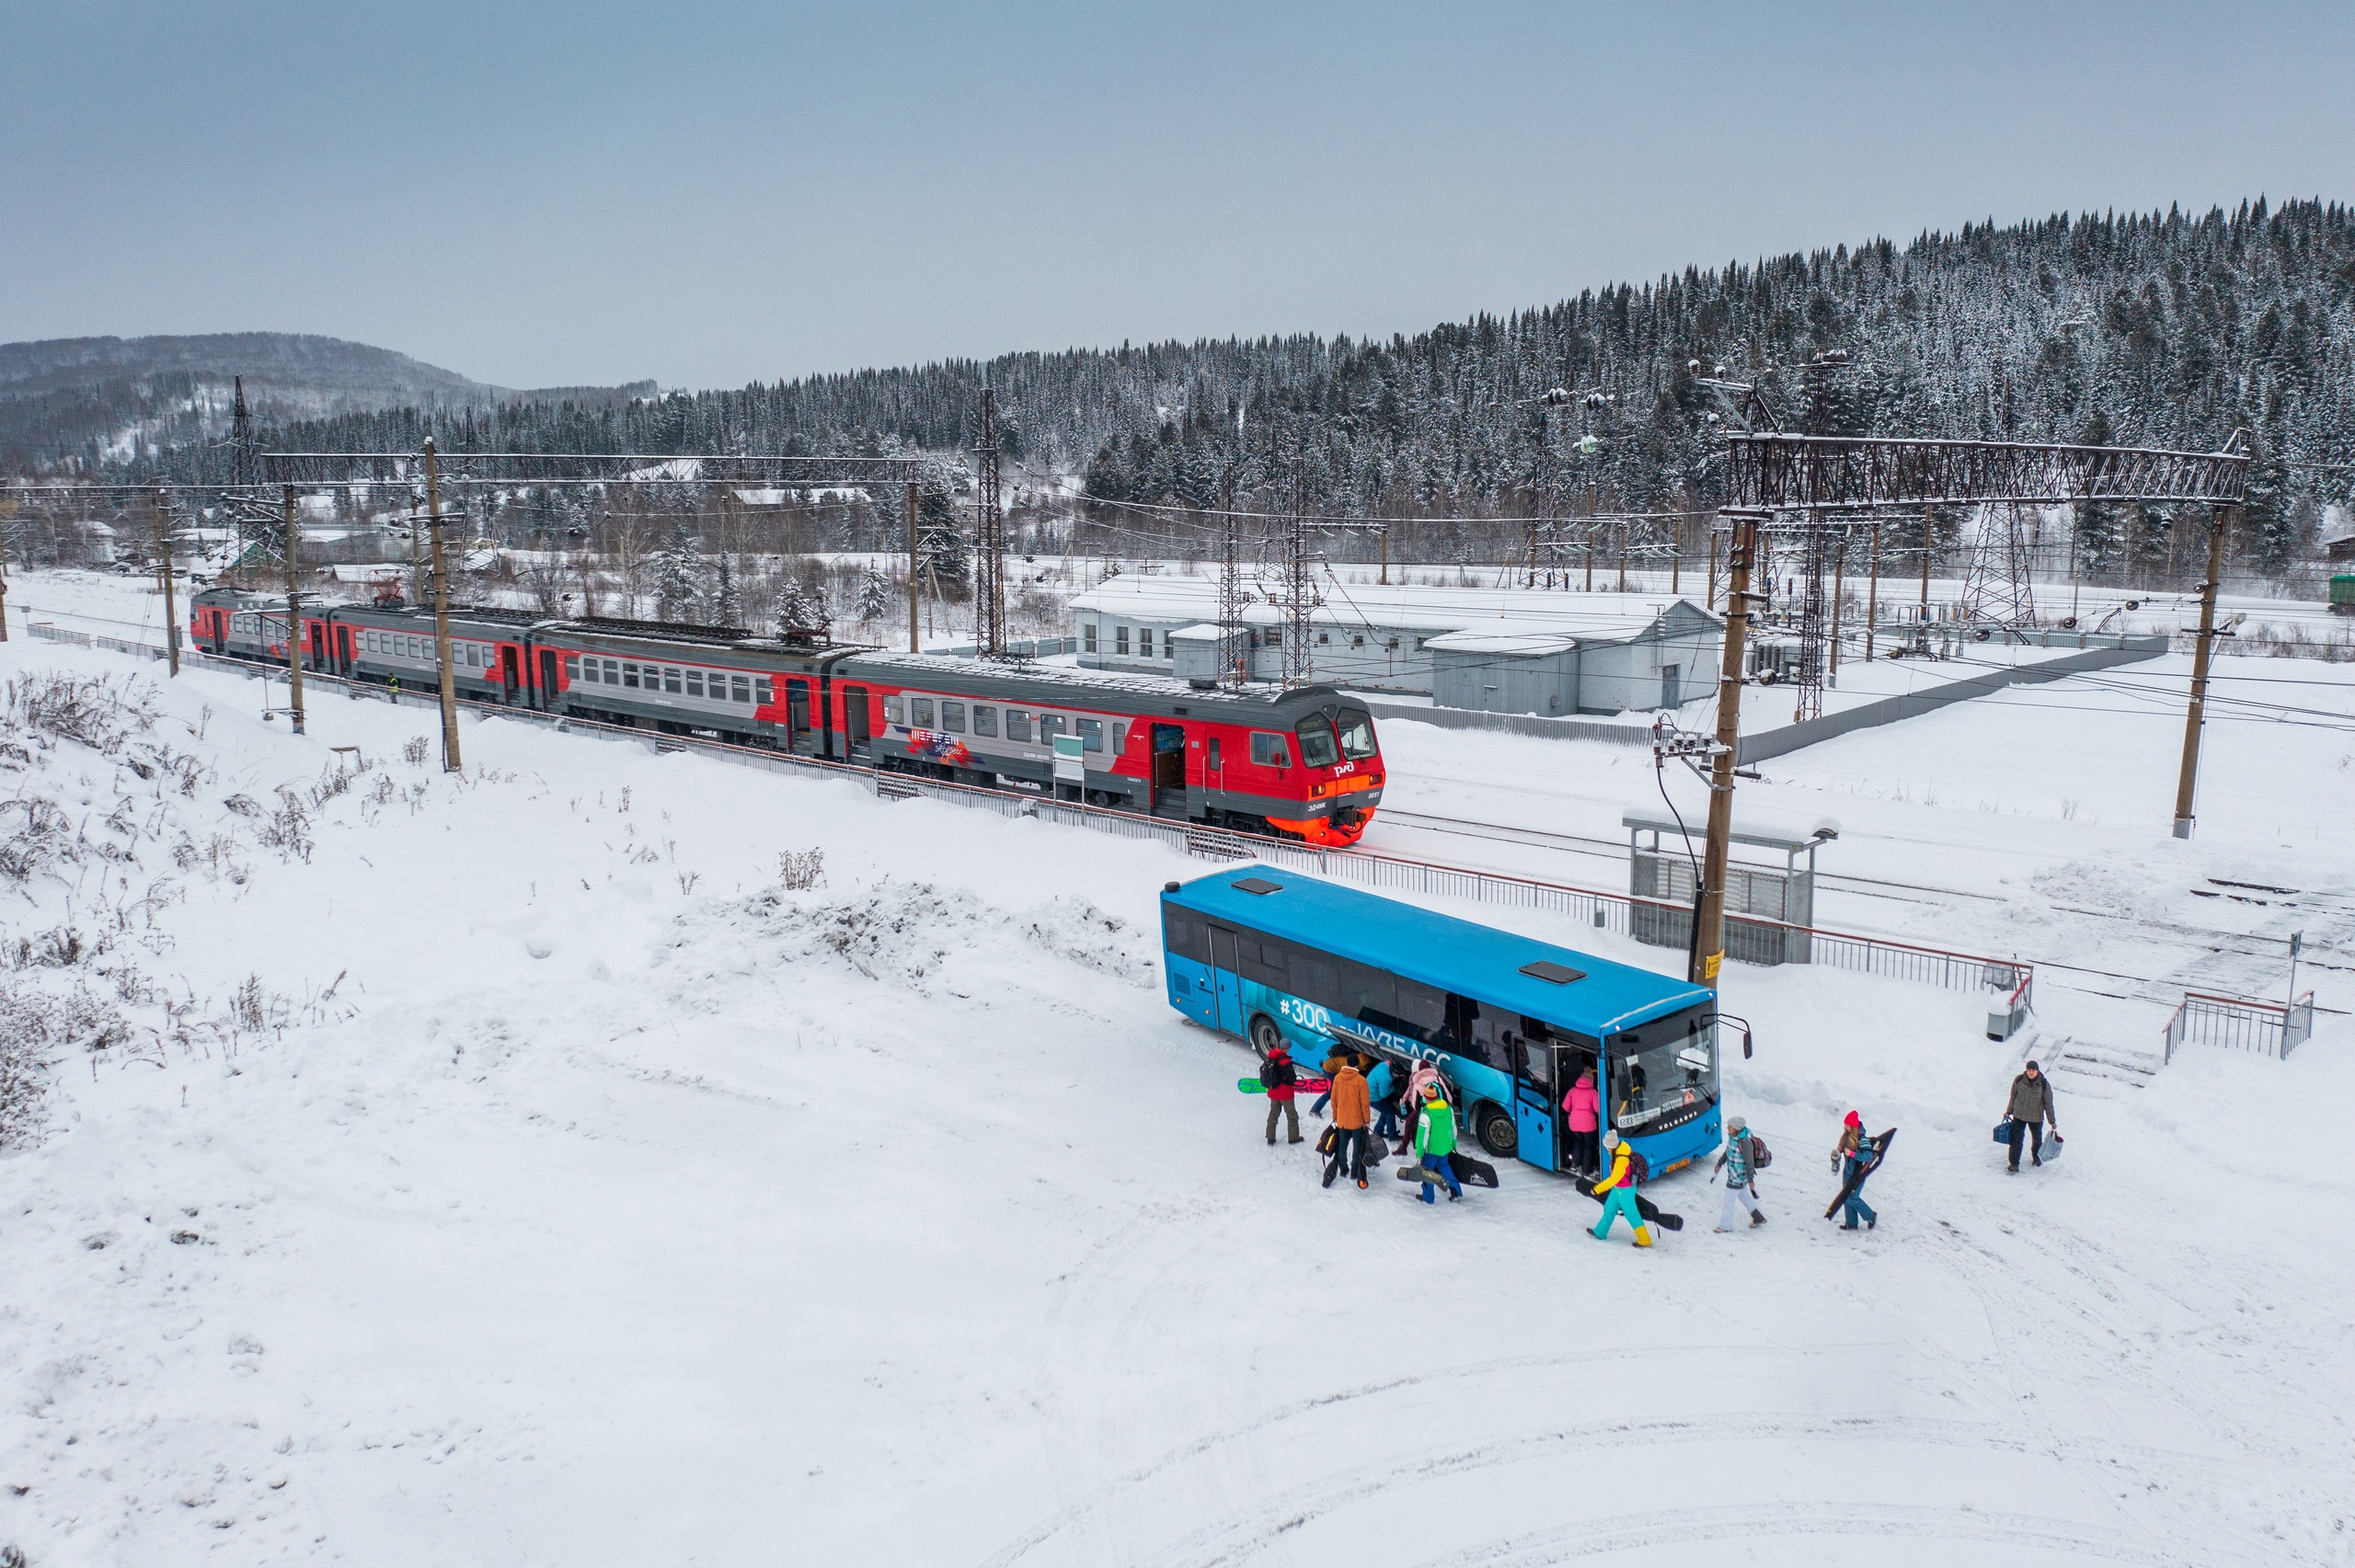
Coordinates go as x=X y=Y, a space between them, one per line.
x=920 y=713
x=1119 y=737
x=1120 y=639
x=984 y=719
x=613 y=673
x=572 y=666
x=1317 y=749
x=765 y=693
x=1270 y=751
x=669 y=679
x=695 y=683
x=1216 y=762
x=1050 y=726
x=1017 y=725
x=629 y=674
x=1091 y=734
x=891 y=714
x=1357 y=735
x=953 y=716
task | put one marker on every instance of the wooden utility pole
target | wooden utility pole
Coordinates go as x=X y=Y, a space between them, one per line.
x=293 y=619
x=1712 y=605
x=1385 y=556
x=2219 y=522
x=1624 y=529
x=1709 y=930
x=1926 y=571
x=450 y=763
x=1872 y=596
x=4 y=588
x=915 y=641
x=1676 y=559
x=164 y=569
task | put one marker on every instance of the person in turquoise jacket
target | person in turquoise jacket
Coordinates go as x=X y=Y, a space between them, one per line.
x=1620 y=1188
x=1435 y=1141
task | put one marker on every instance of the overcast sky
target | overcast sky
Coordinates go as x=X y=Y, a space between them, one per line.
x=712 y=194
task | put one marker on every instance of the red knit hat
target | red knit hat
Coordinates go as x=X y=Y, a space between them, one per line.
x=1855 y=1120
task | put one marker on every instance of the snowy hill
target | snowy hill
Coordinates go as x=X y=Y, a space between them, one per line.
x=506 y=1167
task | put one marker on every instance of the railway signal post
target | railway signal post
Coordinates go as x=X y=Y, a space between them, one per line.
x=1709 y=917
x=450 y=763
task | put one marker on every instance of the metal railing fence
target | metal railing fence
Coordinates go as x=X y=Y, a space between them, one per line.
x=2239 y=1023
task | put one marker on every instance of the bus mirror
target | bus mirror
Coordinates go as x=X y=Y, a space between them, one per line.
x=1745 y=1045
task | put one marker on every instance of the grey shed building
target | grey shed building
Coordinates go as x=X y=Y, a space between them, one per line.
x=1608 y=666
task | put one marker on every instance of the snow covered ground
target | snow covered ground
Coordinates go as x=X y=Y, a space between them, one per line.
x=505 y=1168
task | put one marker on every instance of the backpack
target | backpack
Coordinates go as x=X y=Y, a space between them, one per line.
x=1639 y=1170
x=1760 y=1156
x=1275 y=1074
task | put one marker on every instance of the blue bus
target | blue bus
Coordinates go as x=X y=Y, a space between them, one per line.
x=1510 y=1021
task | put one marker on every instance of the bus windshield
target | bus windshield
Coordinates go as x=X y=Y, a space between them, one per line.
x=1664 y=1073
x=1357 y=735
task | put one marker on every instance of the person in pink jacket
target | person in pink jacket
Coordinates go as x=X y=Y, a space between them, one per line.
x=1584 y=1106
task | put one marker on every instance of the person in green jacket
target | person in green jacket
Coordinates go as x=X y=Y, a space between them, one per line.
x=1435 y=1141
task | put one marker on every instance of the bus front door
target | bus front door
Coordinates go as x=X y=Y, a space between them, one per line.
x=1228 y=979
x=1537 y=1104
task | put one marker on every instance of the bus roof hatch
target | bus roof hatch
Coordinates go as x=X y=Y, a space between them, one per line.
x=1546 y=969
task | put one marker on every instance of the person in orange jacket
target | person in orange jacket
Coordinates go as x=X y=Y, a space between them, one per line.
x=1352 y=1114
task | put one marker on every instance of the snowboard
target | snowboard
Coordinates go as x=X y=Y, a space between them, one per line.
x=1468 y=1172
x=1864 y=1173
x=1653 y=1214
x=1304 y=1086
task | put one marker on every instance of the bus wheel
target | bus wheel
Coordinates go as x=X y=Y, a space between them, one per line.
x=1497 y=1134
x=1265 y=1035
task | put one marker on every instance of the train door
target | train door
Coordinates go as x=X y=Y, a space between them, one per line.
x=511 y=672
x=1227 y=978
x=1537 y=1094
x=797 y=736
x=854 y=722
x=1169 y=770
x=343 y=650
x=547 y=680
x=318 y=647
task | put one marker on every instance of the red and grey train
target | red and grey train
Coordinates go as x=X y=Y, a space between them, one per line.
x=1301 y=764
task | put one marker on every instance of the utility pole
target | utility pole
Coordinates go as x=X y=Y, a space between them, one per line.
x=1234 y=669
x=1839 y=591
x=1926 y=527
x=3 y=586
x=1300 y=665
x=1712 y=605
x=989 y=529
x=164 y=569
x=2219 y=522
x=450 y=763
x=916 y=640
x=293 y=620
x=1385 y=556
x=1872 y=597
x=1709 y=937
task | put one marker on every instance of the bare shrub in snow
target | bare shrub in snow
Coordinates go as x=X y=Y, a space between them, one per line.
x=288 y=828
x=101 y=712
x=800 y=870
x=42 y=836
x=413 y=751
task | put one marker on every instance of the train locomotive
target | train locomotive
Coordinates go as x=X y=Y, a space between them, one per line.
x=1303 y=764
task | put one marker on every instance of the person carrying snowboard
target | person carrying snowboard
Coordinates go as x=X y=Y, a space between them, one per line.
x=1420 y=1081
x=1277 y=1075
x=1618 y=1190
x=1351 y=1112
x=1435 y=1141
x=1853 y=1157
x=1583 y=1106
x=1739 y=1162
x=2029 y=1109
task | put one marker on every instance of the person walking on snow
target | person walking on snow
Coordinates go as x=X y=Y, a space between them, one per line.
x=1420 y=1082
x=1277 y=1075
x=1621 y=1188
x=1435 y=1141
x=1739 y=1162
x=2029 y=1109
x=1382 y=1087
x=1352 y=1111
x=1583 y=1105
x=1851 y=1157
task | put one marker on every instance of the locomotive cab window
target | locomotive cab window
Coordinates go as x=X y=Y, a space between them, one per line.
x=1357 y=735
x=1317 y=747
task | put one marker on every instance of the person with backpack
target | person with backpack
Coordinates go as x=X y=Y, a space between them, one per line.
x=1854 y=1157
x=1629 y=1170
x=1435 y=1141
x=1382 y=1087
x=2030 y=1107
x=1740 y=1162
x=1351 y=1112
x=1583 y=1106
x=1277 y=1076
x=1420 y=1081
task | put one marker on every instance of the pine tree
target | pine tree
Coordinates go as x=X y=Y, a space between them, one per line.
x=794 y=611
x=728 y=604
x=944 y=555
x=2099 y=547
x=874 y=597
x=676 y=569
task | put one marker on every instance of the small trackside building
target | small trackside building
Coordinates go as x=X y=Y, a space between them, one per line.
x=1635 y=662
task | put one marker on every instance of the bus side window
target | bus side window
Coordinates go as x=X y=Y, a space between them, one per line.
x=1366 y=994
x=1422 y=1008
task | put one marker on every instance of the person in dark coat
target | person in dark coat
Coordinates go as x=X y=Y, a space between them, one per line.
x=2029 y=1109
x=1278 y=1075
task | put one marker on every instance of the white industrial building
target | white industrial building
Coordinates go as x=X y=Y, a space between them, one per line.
x=1503 y=649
